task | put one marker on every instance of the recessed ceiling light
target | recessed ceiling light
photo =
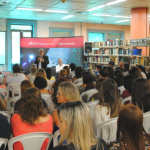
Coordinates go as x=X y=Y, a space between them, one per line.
x=68 y=17
x=115 y=2
x=121 y=16
x=57 y=11
x=29 y=9
x=96 y=7
x=101 y=15
x=122 y=21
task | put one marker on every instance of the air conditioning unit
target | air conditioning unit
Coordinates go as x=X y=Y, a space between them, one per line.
x=4 y=2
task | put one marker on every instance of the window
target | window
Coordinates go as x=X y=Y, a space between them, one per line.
x=114 y=36
x=2 y=47
x=21 y=27
x=96 y=37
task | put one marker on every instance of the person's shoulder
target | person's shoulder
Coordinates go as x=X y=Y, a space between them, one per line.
x=65 y=147
x=101 y=144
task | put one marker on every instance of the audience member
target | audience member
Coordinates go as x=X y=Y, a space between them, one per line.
x=49 y=74
x=103 y=73
x=148 y=77
x=118 y=68
x=63 y=73
x=135 y=72
x=94 y=76
x=76 y=127
x=130 y=130
x=72 y=67
x=126 y=68
x=78 y=73
x=121 y=65
x=110 y=72
x=109 y=105
x=2 y=105
x=112 y=64
x=32 y=75
x=98 y=68
x=31 y=117
x=142 y=70
x=141 y=94
x=67 y=68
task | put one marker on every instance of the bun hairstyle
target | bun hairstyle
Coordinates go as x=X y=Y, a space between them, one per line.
x=104 y=72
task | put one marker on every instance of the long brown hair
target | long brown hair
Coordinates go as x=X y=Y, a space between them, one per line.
x=26 y=84
x=30 y=105
x=130 y=127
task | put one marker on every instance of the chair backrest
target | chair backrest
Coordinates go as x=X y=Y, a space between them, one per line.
x=3 y=141
x=92 y=106
x=79 y=80
x=108 y=130
x=52 y=81
x=6 y=114
x=126 y=99
x=146 y=121
x=11 y=104
x=5 y=92
x=16 y=92
x=31 y=141
x=55 y=138
x=89 y=93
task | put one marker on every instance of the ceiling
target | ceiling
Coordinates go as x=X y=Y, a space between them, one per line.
x=78 y=8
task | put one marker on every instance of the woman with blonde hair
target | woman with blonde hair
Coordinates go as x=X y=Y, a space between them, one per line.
x=67 y=92
x=32 y=75
x=63 y=73
x=76 y=128
x=2 y=105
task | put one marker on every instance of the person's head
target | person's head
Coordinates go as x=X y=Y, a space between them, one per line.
x=148 y=77
x=40 y=82
x=41 y=52
x=48 y=73
x=128 y=81
x=16 y=68
x=41 y=72
x=110 y=72
x=130 y=127
x=79 y=72
x=119 y=77
x=98 y=67
x=135 y=72
x=94 y=77
x=99 y=83
x=63 y=73
x=118 y=68
x=147 y=69
x=141 y=68
x=67 y=92
x=60 y=62
x=72 y=67
x=33 y=69
x=111 y=63
x=30 y=106
x=88 y=80
x=103 y=73
x=141 y=94
x=25 y=84
x=109 y=97
x=126 y=67
x=121 y=65
x=75 y=125
x=67 y=68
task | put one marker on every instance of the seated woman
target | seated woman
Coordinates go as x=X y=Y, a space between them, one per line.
x=103 y=73
x=32 y=75
x=72 y=67
x=67 y=68
x=49 y=74
x=110 y=72
x=109 y=104
x=76 y=128
x=2 y=105
x=142 y=70
x=78 y=73
x=94 y=77
x=141 y=94
x=130 y=130
x=67 y=92
x=126 y=68
x=31 y=117
x=135 y=72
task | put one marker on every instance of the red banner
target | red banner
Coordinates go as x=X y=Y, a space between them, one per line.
x=71 y=42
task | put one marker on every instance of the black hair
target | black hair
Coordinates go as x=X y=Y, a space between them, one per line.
x=119 y=68
x=135 y=72
x=119 y=77
x=110 y=72
x=111 y=63
x=16 y=68
x=48 y=73
x=126 y=66
x=148 y=76
x=72 y=66
x=99 y=67
x=78 y=72
x=104 y=72
x=40 y=82
x=142 y=68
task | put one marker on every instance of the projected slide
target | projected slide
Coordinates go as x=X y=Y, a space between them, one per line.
x=70 y=50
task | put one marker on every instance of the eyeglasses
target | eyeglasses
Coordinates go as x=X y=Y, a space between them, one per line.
x=59 y=94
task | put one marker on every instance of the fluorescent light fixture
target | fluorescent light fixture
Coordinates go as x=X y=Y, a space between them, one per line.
x=68 y=17
x=115 y=2
x=122 y=21
x=101 y=6
x=29 y=9
x=101 y=15
x=121 y=16
x=57 y=11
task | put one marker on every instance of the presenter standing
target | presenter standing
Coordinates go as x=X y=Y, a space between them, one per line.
x=41 y=60
x=60 y=66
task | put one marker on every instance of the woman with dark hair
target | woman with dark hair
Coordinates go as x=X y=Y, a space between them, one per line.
x=135 y=72
x=67 y=68
x=31 y=117
x=126 y=68
x=103 y=73
x=49 y=74
x=78 y=73
x=110 y=72
x=109 y=104
x=72 y=67
x=141 y=94
x=142 y=70
x=130 y=130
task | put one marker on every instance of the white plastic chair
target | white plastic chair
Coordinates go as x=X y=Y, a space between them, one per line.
x=3 y=141
x=1 y=78
x=5 y=92
x=31 y=141
x=121 y=89
x=146 y=121
x=6 y=114
x=79 y=80
x=49 y=102
x=16 y=92
x=55 y=138
x=89 y=93
x=108 y=130
x=11 y=104
x=52 y=81
x=92 y=106
x=126 y=99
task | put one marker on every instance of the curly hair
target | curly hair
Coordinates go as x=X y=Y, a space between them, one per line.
x=30 y=106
